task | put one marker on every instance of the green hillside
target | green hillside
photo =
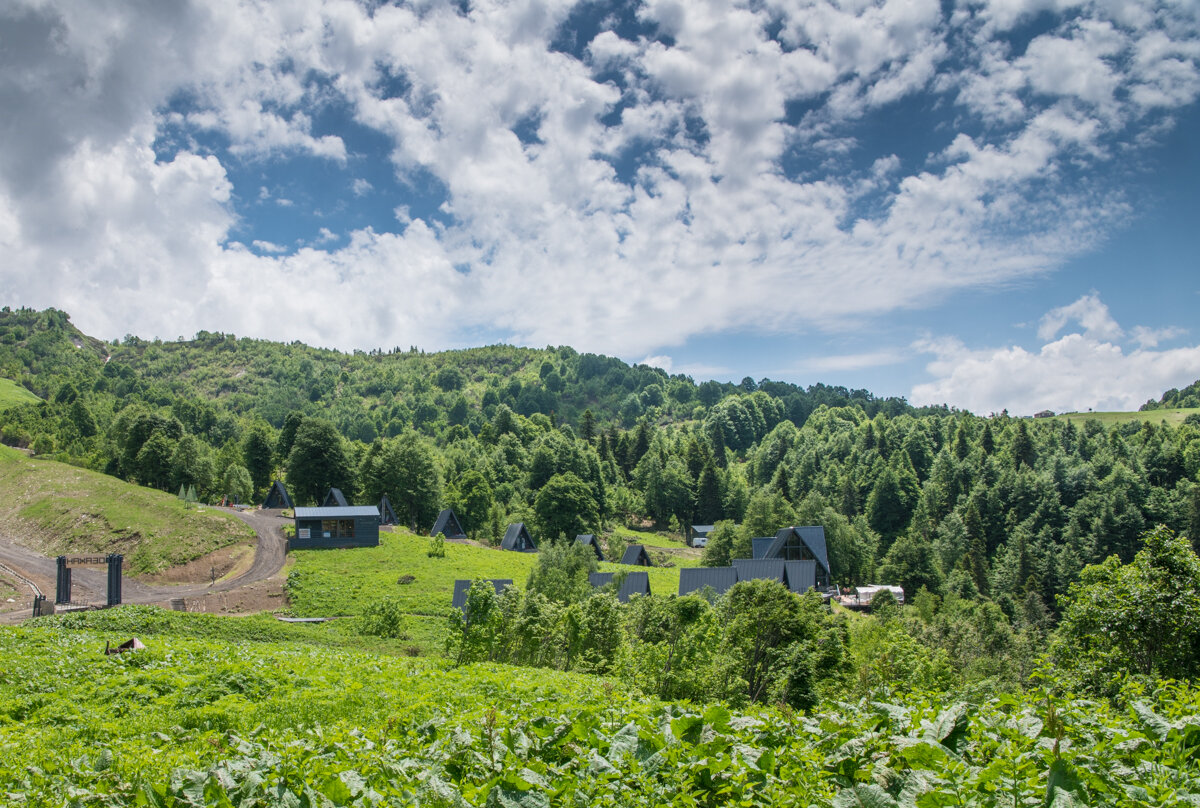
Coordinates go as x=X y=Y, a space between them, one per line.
x=12 y=394
x=1172 y=416
x=58 y=509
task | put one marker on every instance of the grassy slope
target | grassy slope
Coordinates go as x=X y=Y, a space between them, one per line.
x=12 y=394
x=325 y=583
x=58 y=508
x=220 y=720
x=1173 y=417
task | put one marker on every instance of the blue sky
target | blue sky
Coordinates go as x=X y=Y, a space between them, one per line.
x=990 y=204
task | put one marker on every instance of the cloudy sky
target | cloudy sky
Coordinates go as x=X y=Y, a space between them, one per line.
x=992 y=204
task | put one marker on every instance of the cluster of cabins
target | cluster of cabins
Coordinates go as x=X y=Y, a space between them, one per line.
x=796 y=557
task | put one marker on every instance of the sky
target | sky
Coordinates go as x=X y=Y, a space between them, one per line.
x=991 y=204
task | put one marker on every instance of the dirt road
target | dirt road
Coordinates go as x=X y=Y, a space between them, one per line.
x=89 y=585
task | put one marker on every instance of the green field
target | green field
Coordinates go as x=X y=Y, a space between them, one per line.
x=12 y=394
x=247 y=719
x=1172 y=417
x=328 y=583
x=56 y=508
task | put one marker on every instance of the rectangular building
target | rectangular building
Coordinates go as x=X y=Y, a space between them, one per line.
x=350 y=526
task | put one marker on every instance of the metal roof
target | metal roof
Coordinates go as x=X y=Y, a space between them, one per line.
x=635 y=583
x=463 y=585
x=812 y=536
x=636 y=555
x=801 y=575
x=335 y=498
x=752 y=569
x=337 y=512
x=693 y=579
x=590 y=540
x=513 y=535
x=760 y=546
x=448 y=525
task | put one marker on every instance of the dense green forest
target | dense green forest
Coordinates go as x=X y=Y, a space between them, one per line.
x=994 y=517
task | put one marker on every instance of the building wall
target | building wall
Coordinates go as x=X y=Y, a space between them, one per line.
x=366 y=534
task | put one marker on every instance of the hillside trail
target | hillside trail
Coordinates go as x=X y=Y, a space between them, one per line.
x=89 y=585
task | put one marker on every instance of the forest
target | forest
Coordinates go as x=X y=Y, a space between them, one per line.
x=997 y=527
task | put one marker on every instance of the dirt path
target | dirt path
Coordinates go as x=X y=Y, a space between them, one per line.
x=89 y=585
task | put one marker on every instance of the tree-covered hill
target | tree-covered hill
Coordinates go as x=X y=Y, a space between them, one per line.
x=1001 y=509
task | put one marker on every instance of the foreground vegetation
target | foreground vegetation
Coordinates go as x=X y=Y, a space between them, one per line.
x=192 y=721
x=58 y=509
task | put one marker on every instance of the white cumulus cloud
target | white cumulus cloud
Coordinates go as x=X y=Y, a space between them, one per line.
x=1084 y=369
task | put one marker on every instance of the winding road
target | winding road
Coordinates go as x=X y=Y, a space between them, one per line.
x=90 y=585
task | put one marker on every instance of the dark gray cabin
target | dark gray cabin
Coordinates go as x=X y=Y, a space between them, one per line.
x=635 y=583
x=334 y=498
x=517 y=539
x=589 y=540
x=448 y=525
x=463 y=585
x=799 y=544
x=695 y=579
x=387 y=514
x=277 y=497
x=636 y=555
x=351 y=526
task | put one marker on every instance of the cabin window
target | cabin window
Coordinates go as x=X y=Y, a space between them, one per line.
x=796 y=550
x=337 y=528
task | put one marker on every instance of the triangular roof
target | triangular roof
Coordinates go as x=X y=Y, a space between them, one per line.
x=277 y=497
x=463 y=585
x=750 y=569
x=517 y=538
x=811 y=537
x=694 y=579
x=334 y=498
x=387 y=514
x=448 y=525
x=590 y=540
x=636 y=555
x=801 y=575
x=635 y=583
x=760 y=546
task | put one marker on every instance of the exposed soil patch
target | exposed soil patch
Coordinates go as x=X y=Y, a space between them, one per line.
x=232 y=560
x=261 y=596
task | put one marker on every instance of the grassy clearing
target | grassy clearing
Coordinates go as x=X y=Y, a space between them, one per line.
x=13 y=394
x=56 y=508
x=336 y=582
x=1172 y=417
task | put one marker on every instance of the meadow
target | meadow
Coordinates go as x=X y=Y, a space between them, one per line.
x=332 y=583
x=12 y=394
x=1170 y=416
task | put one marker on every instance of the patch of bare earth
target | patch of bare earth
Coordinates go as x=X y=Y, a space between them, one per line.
x=223 y=563
x=262 y=596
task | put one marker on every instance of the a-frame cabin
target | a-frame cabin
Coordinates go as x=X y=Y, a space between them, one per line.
x=334 y=498
x=636 y=555
x=387 y=514
x=590 y=540
x=277 y=497
x=517 y=538
x=448 y=525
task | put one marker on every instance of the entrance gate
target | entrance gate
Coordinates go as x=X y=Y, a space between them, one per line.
x=114 y=562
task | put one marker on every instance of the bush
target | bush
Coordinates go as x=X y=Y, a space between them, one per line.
x=383 y=618
x=437 y=546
